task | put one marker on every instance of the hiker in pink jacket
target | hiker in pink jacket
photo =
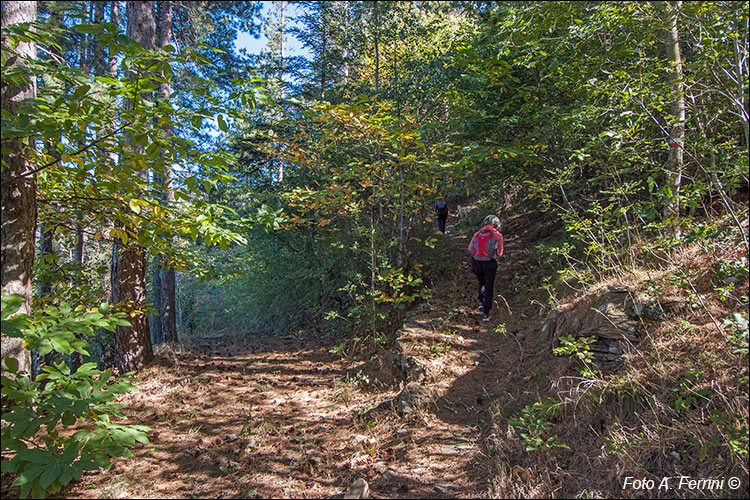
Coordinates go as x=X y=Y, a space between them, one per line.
x=485 y=246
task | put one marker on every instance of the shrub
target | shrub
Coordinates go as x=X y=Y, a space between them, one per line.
x=41 y=411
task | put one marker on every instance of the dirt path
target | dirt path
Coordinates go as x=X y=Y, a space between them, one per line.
x=284 y=417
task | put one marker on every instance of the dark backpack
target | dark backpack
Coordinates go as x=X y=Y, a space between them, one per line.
x=484 y=245
x=442 y=208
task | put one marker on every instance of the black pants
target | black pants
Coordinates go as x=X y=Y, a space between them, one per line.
x=485 y=272
x=440 y=219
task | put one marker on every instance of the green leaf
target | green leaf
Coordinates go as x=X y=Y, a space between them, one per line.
x=134 y=206
x=167 y=69
x=49 y=476
x=222 y=123
x=68 y=418
x=29 y=474
x=66 y=475
x=89 y=28
x=11 y=364
x=153 y=150
x=35 y=455
x=81 y=91
x=11 y=304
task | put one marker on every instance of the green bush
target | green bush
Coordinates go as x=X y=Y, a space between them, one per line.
x=534 y=421
x=579 y=347
x=42 y=411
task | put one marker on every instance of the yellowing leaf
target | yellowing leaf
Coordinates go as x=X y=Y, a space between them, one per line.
x=134 y=206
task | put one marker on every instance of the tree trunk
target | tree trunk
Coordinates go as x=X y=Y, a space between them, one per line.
x=129 y=262
x=157 y=335
x=114 y=17
x=129 y=287
x=377 y=49
x=17 y=239
x=46 y=245
x=168 y=288
x=323 y=47
x=78 y=249
x=282 y=33
x=677 y=131
x=740 y=70
x=85 y=66
x=377 y=91
x=282 y=30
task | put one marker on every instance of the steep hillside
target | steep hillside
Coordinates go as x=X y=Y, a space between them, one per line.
x=626 y=383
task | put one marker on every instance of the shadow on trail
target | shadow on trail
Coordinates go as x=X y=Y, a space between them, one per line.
x=507 y=352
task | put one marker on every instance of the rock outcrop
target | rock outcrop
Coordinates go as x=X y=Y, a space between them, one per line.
x=613 y=318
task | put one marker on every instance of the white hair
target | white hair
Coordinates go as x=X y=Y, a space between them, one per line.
x=492 y=220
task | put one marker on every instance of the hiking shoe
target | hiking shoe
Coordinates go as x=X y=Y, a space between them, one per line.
x=485 y=317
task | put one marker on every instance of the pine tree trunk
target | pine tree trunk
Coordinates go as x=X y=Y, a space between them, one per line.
x=129 y=287
x=19 y=216
x=129 y=262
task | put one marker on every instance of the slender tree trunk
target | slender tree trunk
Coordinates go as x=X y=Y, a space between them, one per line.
x=46 y=246
x=677 y=131
x=740 y=70
x=346 y=8
x=377 y=49
x=400 y=256
x=157 y=335
x=78 y=248
x=167 y=281
x=373 y=270
x=282 y=35
x=282 y=54
x=377 y=91
x=114 y=17
x=129 y=262
x=85 y=66
x=323 y=48
x=86 y=60
x=18 y=187
x=97 y=51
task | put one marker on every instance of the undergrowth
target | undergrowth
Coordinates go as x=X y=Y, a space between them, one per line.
x=676 y=406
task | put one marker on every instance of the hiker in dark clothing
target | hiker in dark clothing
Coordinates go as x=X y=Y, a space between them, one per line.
x=441 y=214
x=485 y=246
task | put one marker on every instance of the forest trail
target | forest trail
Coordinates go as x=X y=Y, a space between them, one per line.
x=284 y=417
